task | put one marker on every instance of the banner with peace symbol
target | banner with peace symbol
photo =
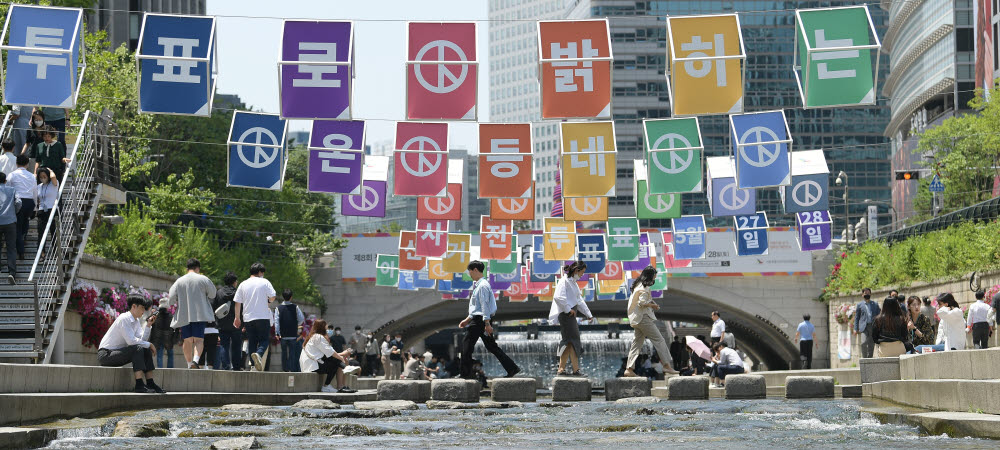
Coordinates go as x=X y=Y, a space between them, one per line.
x=506 y=168
x=420 y=159
x=369 y=203
x=316 y=70
x=448 y=207
x=844 y=76
x=725 y=198
x=706 y=64
x=586 y=209
x=761 y=142
x=441 y=71
x=435 y=270
x=674 y=155
x=581 y=86
x=649 y=205
x=513 y=208
x=810 y=186
x=256 y=151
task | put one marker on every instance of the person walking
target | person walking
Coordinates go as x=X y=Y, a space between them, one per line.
x=10 y=206
x=47 y=191
x=8 y=160
x=252 y=299
x=318 y=356
x=337 y=340
x=568 y=305
x=864 y=315
x=192 y=293
x=162 y=337
x=230 y=336
x=25 y=187
x=889 y=330
x=482 y=307
x=288 y=318
x=804 y=335
x=209 y=359
x=977 y=322
x=642 y=318
x=127 y=341
x=952 y=325
x=51 y=153
x=371 y=355
x=33 y=136
x=21 y=117
x=921 y=328
x=718 y=328
x=676 y=353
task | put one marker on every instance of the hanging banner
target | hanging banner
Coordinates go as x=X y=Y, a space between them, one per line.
x=45 y=62
x=432 y=237
x=669 y=259
x=496 y=238
x=844 y=344
x=539 y=263
x=592 y=249
x=406 y=280
x=256 y=151
x=506 y=168
x=177 y=64
x=512 y=208
x=660 y=282
x=559 y=235
x=509 y=265
x=586 y=209
x=646 y=253
x=498 y=285
x=706 y=61
x=761 y=143
x=689 y=234
x=513 y=276
x=371 y=201
x=316 y=70
x=460 y=283
x=725 y=198
x=612 y=271
x=751 y=234
x=448 y=207
x=457 y=259
x=422 y=280
x=386 y=270
x=435 y=90
x=408 y=258
x=810 y=188
x=648 y=205
x=581 y=87
x=421 y=159
x=815 y=230
x=623 y=235
x=588 y=159
x=336 y=171
x=843 y=76
x=435 y=270
x=675 y=155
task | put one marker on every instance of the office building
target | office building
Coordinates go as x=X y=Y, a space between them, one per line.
x=122 y=19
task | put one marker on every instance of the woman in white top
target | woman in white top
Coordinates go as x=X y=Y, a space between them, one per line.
x=318 y=356
x=567 y=306
x=952 y=325
x=643 y=321
x=48 y=193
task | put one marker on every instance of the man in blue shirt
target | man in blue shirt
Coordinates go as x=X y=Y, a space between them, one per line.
x=804 y=334
x=482 y=306
x=864 y=317
x=9 y=206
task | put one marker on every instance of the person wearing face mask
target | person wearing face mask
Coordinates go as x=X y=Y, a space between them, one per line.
x=371 y=355
x=337 y=340
x=567 y=306
x=864 y=316
x=51 y=153
x=56 y=118
x=33 y=136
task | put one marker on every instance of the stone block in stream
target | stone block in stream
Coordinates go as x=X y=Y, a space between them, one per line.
x=243 y=443
x=413 y=390
x=514 y=390
x=618 y=388
x=456 y=390
x=687 y=388
x=745 y=386
x=809 y=387
x=571 y=389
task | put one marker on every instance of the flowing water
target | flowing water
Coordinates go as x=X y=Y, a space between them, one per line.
x=691 y=424
x=601 y=359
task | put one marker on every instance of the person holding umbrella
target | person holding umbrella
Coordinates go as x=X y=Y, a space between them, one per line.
x=700 y=355
x=641 y=316
x=567 y=306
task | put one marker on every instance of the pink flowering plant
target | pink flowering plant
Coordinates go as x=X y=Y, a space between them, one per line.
x=99 y=308
x=844 y=314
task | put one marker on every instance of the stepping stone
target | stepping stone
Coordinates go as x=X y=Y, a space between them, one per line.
x=413 y=390
x=809 y=387
x=571 y=389
x=514 y=390
x=386 y=405
x=745 y=387
x=637 y=401
x=618 y=388
x=687 y=388
x=316 y=404
x=456 y=390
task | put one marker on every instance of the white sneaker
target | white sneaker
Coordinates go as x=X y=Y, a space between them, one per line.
x=351 y=369
x=328 y=388
x=257 y=363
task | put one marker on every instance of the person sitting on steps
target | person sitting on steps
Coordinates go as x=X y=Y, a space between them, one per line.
x=127 y=341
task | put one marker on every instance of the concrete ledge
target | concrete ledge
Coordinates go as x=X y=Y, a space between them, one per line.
x=571 y=389
x=940 y=395
x=514 y=390
x=24 y=409
x=456 y=390
x=954 y=424
x=619 y=388
x=418 y=391
x=687 y=388
x=809 y=387
x=957 y=364
x=848 y=391
x=840 y=376
x=26 y=437
x=745 y=387
x=874 y=370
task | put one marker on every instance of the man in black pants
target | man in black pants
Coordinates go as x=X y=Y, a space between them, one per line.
x=482 y=306
x=127 y=341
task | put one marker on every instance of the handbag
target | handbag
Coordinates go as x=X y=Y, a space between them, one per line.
x=222 y=310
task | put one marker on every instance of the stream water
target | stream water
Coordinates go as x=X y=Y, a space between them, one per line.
x=705 y=424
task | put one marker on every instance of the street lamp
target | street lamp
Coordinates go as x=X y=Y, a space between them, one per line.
x=848 y=233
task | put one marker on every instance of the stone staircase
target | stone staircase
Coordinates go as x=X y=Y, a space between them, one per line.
x=32 y=310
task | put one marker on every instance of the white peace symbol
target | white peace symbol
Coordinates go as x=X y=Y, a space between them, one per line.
x=514 y=203
x=662 y=207
x=806 y=189
x=610 y=270
x=761 y=150
x=3 y=197
x=588 y=206
x=441 y=209
x=437 y=270
x=514 y=289
x=677 y=163
x=424 y=165
x=737 y=201
x=260 y=156
x=441 y=87
x=366 y=205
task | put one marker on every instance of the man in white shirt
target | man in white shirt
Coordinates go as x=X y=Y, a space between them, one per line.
x=977 y=323
x=728 y=362
x=482 y=307
x=718 y=328
x=127 y=341
x=251 y=300
x=8 y=160
x=24 y=185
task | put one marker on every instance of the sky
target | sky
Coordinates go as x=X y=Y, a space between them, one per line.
x=249 y=36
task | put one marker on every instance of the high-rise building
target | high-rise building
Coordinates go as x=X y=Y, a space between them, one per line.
x=852 y=137
x=122 y=19
x=931 y=78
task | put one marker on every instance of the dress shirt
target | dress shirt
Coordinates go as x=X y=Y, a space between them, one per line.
x=718 y=327
x=23 y=183
x=806 y=330
x=314 y=351
x=977 y=312
x=952 y=326
x=299 y=318
x=8 y=162
x=566 y=297
x=254 y=293
x=638 y=305
x=729 y=357
x=126 y=331
x=10 y=204
x=482 y=302
x=47 y=195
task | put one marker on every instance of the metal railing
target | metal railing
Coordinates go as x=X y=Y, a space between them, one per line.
x=93 y=162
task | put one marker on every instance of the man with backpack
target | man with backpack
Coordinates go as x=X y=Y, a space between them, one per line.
x=230 y=336
x=288 y=319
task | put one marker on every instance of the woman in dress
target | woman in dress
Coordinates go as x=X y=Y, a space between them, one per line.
x=890 y=331
x=952 y=326
x=318 y=356
x=642 y=317
x=567 y=306
x=921 y=328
